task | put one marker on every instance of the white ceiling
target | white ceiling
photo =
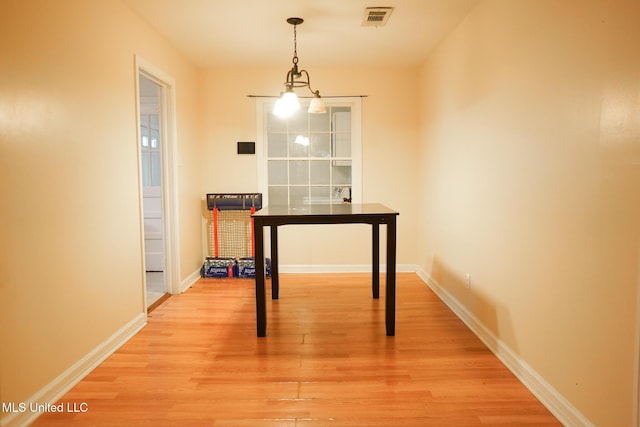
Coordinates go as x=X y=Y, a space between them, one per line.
x=255 y=32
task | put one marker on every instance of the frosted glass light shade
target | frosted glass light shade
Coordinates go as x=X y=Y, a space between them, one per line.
x=317 y=106
x=286 y=105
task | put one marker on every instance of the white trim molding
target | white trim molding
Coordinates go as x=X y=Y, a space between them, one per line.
x=557 y=404
x=190 y=280
x=64 y=382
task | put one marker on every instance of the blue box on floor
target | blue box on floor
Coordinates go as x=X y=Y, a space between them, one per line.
x=247 y=267
x=220 y=267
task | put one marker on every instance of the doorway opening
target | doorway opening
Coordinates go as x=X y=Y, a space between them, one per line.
x=150 y=145
x=156 y=151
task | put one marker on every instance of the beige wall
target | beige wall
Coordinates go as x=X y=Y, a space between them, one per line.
x=71 y=261
x=530 y=170
x=520 y=168
x=389 y=147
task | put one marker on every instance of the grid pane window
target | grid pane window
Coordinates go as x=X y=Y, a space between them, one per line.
x=150 y=150
x=320 y=144
x=308 y=156
x=320 y=172
x=278 y=195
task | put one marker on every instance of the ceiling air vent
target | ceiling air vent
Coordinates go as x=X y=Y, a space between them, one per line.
x=376 y=16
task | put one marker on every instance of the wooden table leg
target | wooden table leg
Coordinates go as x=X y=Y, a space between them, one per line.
x=390 y=303
x=261 y=305
x=375 y=271
x=275 y=282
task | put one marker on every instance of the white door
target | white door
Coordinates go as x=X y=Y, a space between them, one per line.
x=151 y=149
x=153 y=229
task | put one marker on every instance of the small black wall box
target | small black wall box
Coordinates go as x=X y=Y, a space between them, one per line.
x=246 y=147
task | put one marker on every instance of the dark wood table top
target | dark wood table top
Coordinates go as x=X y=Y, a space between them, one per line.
x=345 y=209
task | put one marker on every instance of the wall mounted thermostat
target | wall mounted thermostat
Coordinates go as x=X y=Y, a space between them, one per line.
x=246 y=147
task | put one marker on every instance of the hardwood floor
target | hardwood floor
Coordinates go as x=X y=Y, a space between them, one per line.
x=326 y=361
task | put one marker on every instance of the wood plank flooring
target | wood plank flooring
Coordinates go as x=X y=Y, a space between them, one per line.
x=326 y=361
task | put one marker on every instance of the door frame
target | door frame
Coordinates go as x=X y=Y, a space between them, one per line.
x=169 y=173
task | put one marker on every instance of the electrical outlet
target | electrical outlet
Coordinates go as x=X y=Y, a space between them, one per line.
x=468 y=277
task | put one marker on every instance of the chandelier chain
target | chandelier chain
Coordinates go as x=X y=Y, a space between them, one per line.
x=295 y=45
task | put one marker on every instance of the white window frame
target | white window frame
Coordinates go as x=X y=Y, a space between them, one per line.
x=263 y=108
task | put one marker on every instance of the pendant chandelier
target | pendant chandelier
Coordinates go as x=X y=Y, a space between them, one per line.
x=288 y=102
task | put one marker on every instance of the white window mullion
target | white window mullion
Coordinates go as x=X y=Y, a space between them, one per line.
x=264 y=117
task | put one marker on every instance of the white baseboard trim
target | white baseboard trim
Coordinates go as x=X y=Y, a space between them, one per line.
x=190 y=280
x=57 y=388
x=557 y=404
x=342 y=268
